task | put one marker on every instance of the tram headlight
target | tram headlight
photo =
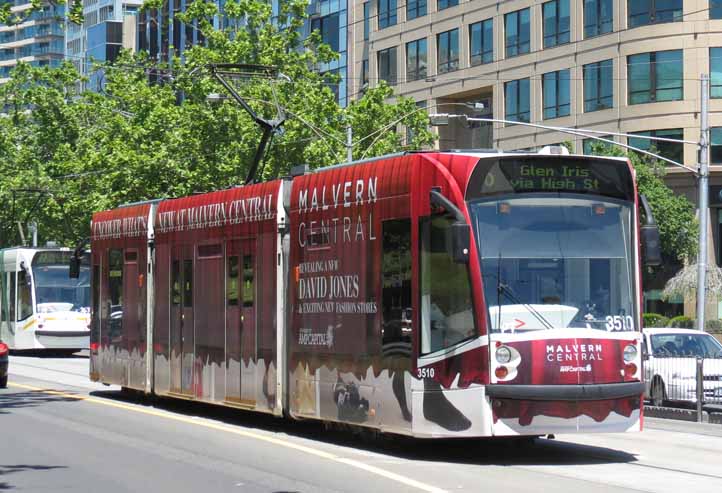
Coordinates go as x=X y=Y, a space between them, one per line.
x=630 y=353
x=503 y=355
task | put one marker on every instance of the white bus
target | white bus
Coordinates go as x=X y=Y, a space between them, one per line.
x=41 y=307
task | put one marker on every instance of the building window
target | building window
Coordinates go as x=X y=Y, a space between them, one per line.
x=516 y=100
x=364 y=72
x=481 y=42
x=643 y=12
x=556 y=94
x=445 y=4
x=448 y=51
x=516 y=33
x=416 y=60
x=716 y=145
x=367 y=17
x=556 y=23
x=670 y=150
x=598 y=17
x=327 y=26
x=386 y=13
x=387 y=65
x=596 y=147
x=715 y=9
x=715 y=68
x=415 y=8
x=598 y=86
x=655 y=76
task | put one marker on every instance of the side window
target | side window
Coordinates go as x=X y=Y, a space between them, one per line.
x=95 y=322
x=187 y=283
x=25 y=300
x=447 y=315
x=248 y=287
x=175 y=284
x=396 y=281
x=232 y=283
x=11 y=311
x=115 y=292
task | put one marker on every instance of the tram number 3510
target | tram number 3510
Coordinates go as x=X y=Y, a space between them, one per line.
x=425 y=372
x=617 y=323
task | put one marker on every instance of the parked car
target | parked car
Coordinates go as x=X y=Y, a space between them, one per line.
x=4 y=358
x=670 y=365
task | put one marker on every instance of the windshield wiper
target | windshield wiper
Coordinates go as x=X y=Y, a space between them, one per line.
x=504 y=288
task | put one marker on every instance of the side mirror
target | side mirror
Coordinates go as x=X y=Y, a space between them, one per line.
x=74 y=267
x=28 y=276
x=460 y=242
x=651 y=246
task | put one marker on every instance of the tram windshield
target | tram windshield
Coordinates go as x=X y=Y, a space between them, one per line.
x=556 y=260
x=54 y=289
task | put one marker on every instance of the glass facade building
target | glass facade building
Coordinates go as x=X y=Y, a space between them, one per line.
x=37 y=39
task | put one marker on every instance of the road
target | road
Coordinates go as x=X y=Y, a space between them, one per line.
x=59 y=431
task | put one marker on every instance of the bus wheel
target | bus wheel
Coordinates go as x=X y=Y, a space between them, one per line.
x=659 y=394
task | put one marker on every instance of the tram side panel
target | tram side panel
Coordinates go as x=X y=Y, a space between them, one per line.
x=118 y=323
x=215 y=327
x=351 y=312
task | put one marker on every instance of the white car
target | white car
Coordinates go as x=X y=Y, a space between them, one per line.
x=670 y=365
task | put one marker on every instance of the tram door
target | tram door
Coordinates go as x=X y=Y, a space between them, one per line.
x=181 y=324
x=241 y=334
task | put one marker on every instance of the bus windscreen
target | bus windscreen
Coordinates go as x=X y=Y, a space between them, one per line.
x=565 y=174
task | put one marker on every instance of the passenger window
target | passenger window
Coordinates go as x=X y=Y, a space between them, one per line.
x=12 y=297
x=248 y=287
x=396 y=282
x=232 y=283
x=447 y=316
x=175 y=284
x=25 y=300
x=115 y=288
x=187 y=283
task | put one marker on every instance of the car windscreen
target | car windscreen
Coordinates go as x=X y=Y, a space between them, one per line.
x=685 y=346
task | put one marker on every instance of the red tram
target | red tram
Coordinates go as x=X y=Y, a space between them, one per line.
x=434 y=294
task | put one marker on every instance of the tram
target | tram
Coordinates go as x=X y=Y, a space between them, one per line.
x=431 y=294
x=41 y=306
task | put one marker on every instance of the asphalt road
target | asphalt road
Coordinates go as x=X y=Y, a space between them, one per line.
x=59 y=431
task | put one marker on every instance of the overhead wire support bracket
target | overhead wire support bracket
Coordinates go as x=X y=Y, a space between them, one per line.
x=221 y=71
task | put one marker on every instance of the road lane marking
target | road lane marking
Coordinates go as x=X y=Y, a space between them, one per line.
x=247 y=434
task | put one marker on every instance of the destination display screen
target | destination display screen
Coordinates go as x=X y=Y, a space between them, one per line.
x=544 y=173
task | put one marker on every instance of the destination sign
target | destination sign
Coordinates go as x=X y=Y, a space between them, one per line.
x=526 y=174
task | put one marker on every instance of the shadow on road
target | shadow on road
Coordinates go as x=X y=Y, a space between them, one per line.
x=498 y=451
x=18 y=400
x=50 y=353
x=9 y=469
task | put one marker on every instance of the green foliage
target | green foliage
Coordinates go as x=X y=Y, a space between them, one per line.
x=714 y=326
x=83 y=151
x=674 y=214
x=654 y=320
x=681 y=322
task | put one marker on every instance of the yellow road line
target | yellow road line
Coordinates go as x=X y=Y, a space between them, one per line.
x=247 y=434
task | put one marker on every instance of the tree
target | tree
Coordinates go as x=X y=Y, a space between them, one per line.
x=150 y=132
x=674 y=214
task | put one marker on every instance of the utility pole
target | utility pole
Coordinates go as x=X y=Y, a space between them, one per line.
x=349 y=143
x=703 y=185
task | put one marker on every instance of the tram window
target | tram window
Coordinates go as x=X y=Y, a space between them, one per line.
x=205 y=251
x=175 y=284
x=232 y=285
x=396 y=281
x=187 y=283
x=95 y=283
x=131 y=256
x=248 y=281
x=11 y=311
x=115 y=285
x=446 y=307
x=25 y=301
